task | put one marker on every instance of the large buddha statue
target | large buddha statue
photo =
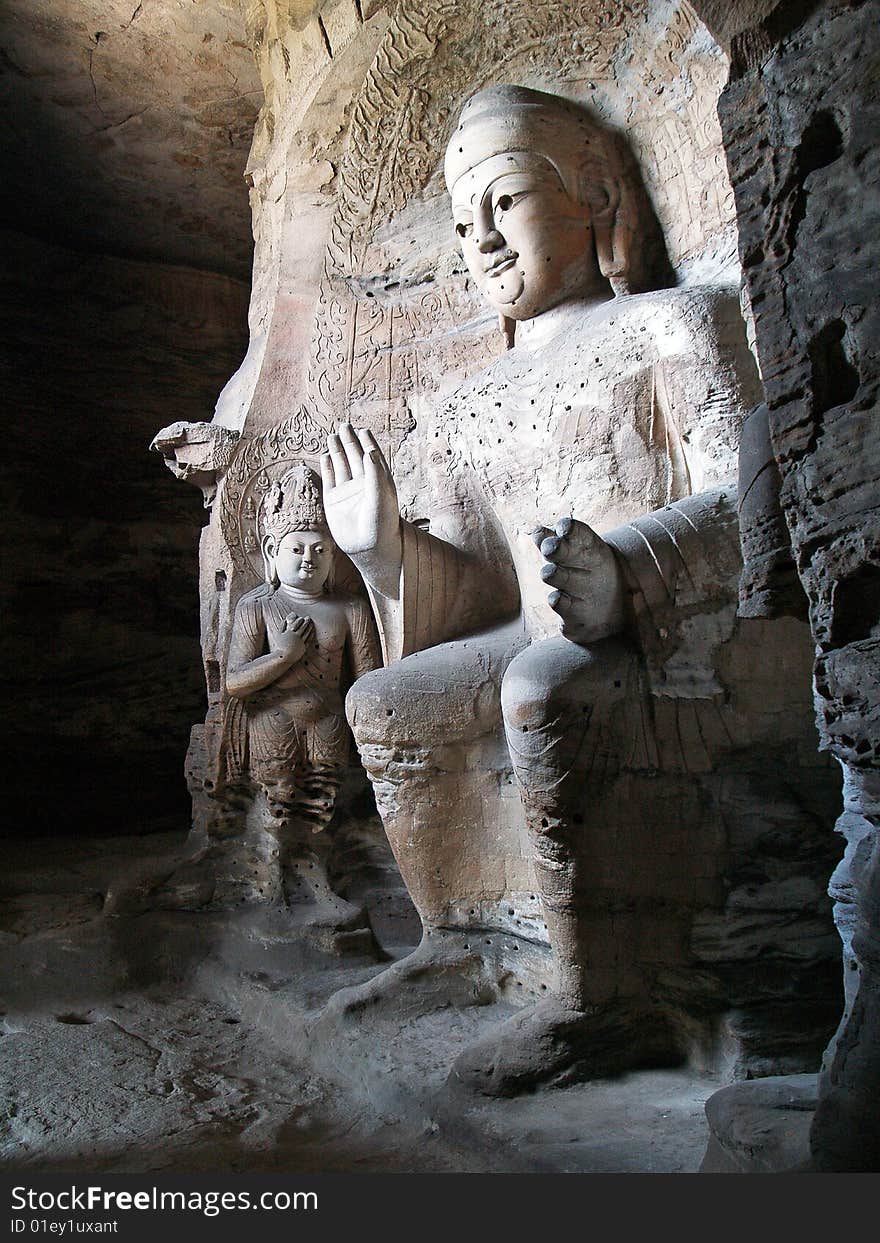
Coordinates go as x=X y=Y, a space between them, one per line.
x=568 y=736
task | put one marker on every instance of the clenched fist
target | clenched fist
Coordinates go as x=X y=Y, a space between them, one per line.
x=586 y=580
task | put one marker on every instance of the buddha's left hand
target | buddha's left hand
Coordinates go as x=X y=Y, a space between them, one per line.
x=586 y=580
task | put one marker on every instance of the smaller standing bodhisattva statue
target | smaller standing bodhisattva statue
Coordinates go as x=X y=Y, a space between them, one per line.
x=296 y=644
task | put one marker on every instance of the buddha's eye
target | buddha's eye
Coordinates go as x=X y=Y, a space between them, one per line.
x=505 y=203
x=464 y=229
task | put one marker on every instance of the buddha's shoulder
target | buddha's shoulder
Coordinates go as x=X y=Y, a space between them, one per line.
x=694 y=311
x=253 y=601
x=685 y=320
x=348 y=602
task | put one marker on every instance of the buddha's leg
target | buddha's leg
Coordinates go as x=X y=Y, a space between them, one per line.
x=428 y=729
x=325 y=754
x=571 y=716
x=306 y=847
x=248 y=864
x=573 y=720
x=429 y=733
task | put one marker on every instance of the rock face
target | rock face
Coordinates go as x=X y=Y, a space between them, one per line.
x=765 y=1125
x=125 y=136
x=800 y=133
x=669 y=851
x=127 y=128
x=100 y=651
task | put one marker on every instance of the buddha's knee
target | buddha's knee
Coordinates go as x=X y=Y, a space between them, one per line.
x=444 y=695
x=554 y=678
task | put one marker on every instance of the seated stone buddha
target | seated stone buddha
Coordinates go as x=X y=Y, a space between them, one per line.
x=573 y=730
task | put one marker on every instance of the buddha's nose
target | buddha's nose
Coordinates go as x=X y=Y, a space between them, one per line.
x=490 y=240
x=487 y=236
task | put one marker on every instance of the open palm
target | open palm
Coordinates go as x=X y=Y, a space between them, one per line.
x=360 y=502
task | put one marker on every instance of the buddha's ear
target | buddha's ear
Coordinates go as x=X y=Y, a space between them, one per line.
x=269 y=549
x=612 y=234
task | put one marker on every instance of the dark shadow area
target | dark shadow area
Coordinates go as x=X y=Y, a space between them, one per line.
x=102 y=670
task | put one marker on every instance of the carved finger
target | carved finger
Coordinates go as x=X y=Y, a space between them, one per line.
x=540 y=534
x=369 y=444
x=328 y=475
x=550 y=547
x=354 y=453
x=568 y=610
x=560 y=602
x=373 y=464
x=339 y=459
x=574 y=581
x=376 y=466
x=580 y=540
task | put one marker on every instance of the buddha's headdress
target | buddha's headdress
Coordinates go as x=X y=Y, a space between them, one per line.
x=293 y=504
x=505 y=119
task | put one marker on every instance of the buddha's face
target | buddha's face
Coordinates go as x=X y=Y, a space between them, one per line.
x=527 y=243
x=302 y=559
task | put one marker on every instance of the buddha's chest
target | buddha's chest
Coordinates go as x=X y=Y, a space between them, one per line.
x=586 y=436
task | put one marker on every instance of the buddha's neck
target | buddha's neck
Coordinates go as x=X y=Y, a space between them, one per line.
x=298 y=593
x=534 y=333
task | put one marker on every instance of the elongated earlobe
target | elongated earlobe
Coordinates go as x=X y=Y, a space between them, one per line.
x=612 y=235
x=269 y=549
x=508 y=330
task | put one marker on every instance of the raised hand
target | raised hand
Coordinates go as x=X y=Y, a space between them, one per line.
x=360 y=503
x=291 y=641
x=586 y=580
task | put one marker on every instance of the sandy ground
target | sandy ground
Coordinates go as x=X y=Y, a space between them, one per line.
x=185 y=1043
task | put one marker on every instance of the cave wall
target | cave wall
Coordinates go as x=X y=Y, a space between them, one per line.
x=126 y=128
x=800 y=119
x=123 y=298
x=102 y=674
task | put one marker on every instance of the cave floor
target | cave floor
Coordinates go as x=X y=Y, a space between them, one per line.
x=170 y=1042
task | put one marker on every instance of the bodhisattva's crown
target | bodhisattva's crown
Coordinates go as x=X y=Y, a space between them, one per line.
x=293 y=504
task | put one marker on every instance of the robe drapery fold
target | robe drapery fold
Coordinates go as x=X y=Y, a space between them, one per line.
x=681 y=565
x=444 y=593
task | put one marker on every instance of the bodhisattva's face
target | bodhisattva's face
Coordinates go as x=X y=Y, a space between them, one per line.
x=303 y=559
x=527 y=243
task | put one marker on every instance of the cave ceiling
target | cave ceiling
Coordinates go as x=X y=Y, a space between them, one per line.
x=126 y=127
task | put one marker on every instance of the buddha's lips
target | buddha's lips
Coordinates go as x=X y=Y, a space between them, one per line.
x=502 y=265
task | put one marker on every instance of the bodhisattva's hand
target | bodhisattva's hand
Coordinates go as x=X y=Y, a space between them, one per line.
x=587 y=582
x=360 y=502
x=291 y=642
